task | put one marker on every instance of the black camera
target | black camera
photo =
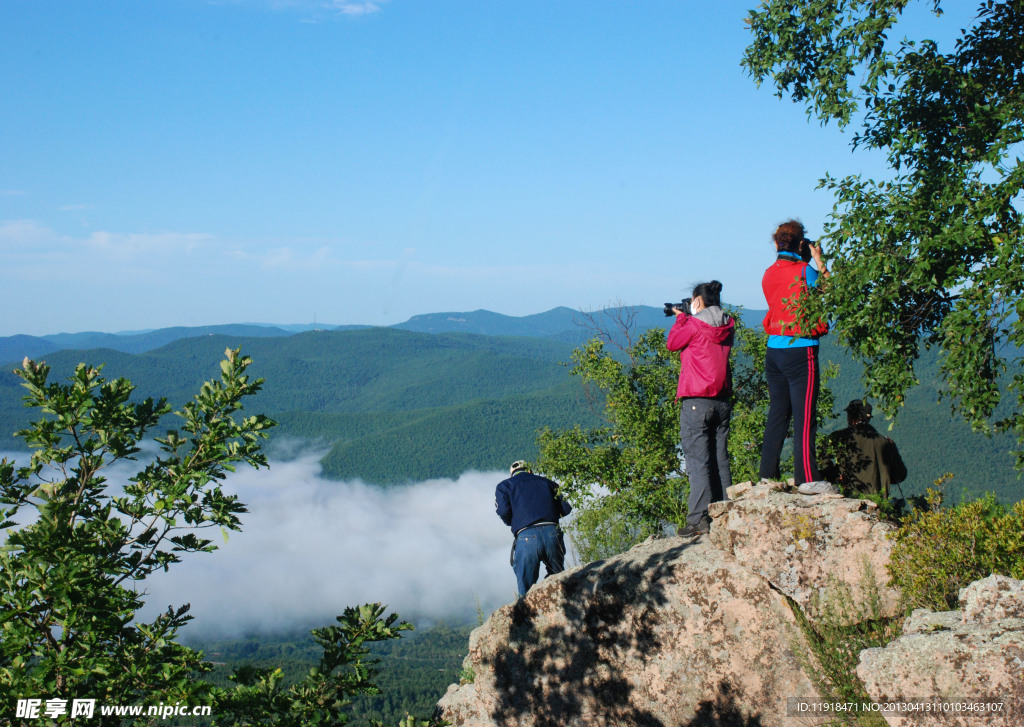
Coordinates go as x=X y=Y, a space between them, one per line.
x=805 y=249
x=682 y=305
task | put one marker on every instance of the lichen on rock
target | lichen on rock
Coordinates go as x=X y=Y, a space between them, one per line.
x=713 y=632
x=955 y=668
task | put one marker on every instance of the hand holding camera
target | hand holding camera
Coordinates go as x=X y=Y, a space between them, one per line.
x=809 y=250
x=672 y=309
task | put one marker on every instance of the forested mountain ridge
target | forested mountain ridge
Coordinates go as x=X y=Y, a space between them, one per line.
x=14 y=348
x=563 y=323
x=390 y=405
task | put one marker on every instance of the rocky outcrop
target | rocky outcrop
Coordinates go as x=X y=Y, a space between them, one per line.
x=961 y=667
x=673 y=632
x=669 y=633
x=806 y=545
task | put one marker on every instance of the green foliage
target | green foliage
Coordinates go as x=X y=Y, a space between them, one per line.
x=624 y=478
x=413 y=671
x=845 y=624
x=599 y=530
x=448 y=441
x=626 y=473
x=467 y=675
x=69 y=564
x=980 y=463
x=933 y=256
x=890 y=509
x=750 y=402
x=76 y=549
x=940 y=550
x=321 y=698
x=477 y=426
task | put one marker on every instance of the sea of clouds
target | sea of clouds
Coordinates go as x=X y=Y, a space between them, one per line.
x=309 y=547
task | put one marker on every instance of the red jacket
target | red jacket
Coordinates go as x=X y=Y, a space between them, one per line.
x=786 y=279
x=704 y=356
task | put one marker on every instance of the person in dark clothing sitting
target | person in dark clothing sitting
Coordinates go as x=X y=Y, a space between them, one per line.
x=530 y=505
x=860 y=459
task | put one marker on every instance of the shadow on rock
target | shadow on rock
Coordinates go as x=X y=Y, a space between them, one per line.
x=556 y=671
x=723 y=712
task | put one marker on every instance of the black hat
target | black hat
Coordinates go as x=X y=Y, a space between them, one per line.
x=859 y=409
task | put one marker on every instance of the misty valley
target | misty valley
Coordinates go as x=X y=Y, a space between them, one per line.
x=382 y=471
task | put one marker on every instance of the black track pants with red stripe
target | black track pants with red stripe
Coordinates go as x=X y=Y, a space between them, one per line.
x=793 y=380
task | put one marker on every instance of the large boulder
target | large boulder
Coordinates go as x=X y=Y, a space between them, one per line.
x=961 y=667
x=670 y=633
x=807 y=545
x=680 y=633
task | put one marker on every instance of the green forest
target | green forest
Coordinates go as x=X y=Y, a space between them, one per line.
x=390 y=406
x=414 y=671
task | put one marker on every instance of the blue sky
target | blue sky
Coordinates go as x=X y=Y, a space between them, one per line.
x=190 y=163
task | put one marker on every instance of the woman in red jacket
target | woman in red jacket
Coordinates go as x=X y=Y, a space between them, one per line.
x=791 y=362
x=704 y=338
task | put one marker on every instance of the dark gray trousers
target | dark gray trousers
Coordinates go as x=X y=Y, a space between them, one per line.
x=704 y=436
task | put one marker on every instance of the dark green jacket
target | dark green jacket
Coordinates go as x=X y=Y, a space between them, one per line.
x=862 y=460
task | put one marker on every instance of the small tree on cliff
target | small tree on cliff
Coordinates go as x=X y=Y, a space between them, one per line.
x=934 y=256
x=632 y=458
x=625 y=478
x=76 y=549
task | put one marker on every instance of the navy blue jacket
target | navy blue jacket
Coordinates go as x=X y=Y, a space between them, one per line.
x=525 y=498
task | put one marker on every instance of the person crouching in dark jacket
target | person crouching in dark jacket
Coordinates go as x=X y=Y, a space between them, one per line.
x=704 y=338
x=530 y=505
x=861 y=459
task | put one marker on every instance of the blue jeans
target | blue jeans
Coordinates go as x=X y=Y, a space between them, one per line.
x=533 y=545
x=704 y=437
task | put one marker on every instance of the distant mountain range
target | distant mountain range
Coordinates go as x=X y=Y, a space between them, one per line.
x=446 y=393
x=15 y=348
x=559 y=323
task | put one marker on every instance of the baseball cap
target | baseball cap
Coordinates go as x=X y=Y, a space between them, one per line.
x=860 y=408
x=520 y=465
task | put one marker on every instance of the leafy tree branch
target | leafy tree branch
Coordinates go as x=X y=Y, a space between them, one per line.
x=932 y=256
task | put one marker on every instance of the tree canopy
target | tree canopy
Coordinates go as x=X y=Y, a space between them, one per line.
x=624 y=477
x=931 y=256
x=77 y=548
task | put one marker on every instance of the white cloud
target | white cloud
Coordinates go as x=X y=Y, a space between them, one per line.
x=168 y=243
x=29 y=235
x=134 y=280
x=310 y=547
x=16 y=234
x=10 y=192
x=354 y=8
x=351 y=8
x=288 y=258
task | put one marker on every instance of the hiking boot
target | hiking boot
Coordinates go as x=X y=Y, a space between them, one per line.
x=818 y=487
x=702 y=527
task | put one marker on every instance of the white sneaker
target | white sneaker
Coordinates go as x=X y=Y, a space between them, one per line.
x=818 y=487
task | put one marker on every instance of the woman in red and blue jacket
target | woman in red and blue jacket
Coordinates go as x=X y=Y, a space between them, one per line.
x=791 y=363
x=704 y=338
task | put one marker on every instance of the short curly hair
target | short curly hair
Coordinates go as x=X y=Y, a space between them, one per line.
x=788 y=236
